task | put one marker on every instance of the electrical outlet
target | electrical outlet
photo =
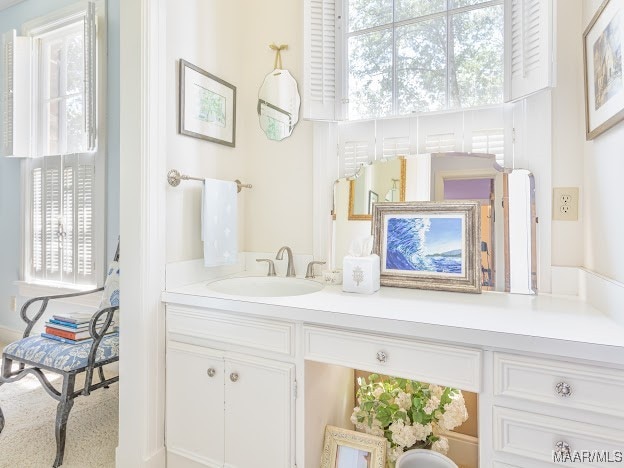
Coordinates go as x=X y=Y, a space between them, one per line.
x=12 y=304
x=565 y=203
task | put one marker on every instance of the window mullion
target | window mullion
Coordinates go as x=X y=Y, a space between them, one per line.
x=395 y=97
x=63 y=102
x=448 y=54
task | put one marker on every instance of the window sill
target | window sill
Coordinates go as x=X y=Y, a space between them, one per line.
x=30 y=290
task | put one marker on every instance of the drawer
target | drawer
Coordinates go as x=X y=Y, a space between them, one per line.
x=433 y=363
x=569 y=385
x=265 y=335
x=536 y=436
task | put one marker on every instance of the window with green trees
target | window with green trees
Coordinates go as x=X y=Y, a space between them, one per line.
x=410 y=56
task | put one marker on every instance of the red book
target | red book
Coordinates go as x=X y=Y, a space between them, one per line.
x=67 y=334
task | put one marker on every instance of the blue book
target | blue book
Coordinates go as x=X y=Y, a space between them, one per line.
x=75 y=326
x=68 y=324
x=61 y=339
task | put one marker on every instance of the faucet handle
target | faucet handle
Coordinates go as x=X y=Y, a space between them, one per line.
x=271 y=265
x=310 y=270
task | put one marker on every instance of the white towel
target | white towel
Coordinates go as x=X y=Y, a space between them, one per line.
x=219 y=220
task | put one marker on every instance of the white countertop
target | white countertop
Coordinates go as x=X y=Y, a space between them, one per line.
x=544 y=324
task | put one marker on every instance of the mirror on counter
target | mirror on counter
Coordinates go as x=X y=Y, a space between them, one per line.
x=382 y=182
x=508 y=220
x=278 y=104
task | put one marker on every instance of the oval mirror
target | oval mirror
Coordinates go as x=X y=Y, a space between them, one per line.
x=278 y=104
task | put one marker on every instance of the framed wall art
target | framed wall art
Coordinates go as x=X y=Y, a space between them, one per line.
x=207 y=106
x=602 y=59
x=350 y=449
x=429 y=245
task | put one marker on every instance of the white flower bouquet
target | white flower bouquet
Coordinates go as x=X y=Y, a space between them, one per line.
x=407 y=413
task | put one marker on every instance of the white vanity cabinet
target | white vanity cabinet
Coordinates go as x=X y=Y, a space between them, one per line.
x=556 y=386
x=224 y=408
x=543 y=408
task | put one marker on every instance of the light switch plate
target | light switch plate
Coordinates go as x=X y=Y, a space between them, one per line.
x=565 y=203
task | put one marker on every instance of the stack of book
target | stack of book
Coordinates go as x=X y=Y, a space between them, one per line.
x=71 y=328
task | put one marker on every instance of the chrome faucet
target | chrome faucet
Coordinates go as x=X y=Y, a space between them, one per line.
x=310 y=271
x=290 y=271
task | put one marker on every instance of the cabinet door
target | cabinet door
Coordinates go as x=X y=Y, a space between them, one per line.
x=195 y=403
x=259 y=413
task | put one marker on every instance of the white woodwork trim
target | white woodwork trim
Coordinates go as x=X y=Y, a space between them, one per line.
x=142 y=227
x=272 y=336
x=325 y=170
x=30 y=290
x=189 y=459
x=577 y=375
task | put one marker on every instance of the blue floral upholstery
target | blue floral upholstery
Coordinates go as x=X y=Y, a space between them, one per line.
x=110 y=296
x=61 y=356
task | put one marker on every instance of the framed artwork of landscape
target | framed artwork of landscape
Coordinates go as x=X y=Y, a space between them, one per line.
x=602 y=57
x=207 y=106
x=429 y=245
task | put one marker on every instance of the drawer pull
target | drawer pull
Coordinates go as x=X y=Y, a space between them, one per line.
x=564 y=389
x=211 y=372
x=234 y=376
x=563 y=447
x=382 y=356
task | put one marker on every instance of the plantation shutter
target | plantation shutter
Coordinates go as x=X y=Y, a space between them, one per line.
x=84 y=264
x=52 y=221
x=356 y=146
x=90 y=57
x=16 y=95
x=62 y=220
x=528 y=47
x=320 y=90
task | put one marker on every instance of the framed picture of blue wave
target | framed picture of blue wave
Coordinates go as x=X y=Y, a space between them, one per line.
x=429 y=245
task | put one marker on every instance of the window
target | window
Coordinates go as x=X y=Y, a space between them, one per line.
x=408 y=56
x=377 y=58
x=61 y=188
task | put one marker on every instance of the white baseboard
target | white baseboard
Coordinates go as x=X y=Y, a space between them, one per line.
x=157 y=460
x=601 y=292
x=8 y=335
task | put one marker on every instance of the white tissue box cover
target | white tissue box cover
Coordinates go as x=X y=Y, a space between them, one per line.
x=360 y=274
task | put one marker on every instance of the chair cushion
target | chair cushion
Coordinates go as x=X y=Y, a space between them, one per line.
x=61 y=356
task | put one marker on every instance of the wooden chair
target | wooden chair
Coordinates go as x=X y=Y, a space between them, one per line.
x=36 y=354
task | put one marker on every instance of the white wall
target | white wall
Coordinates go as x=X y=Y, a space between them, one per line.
x=603 y=186
x=230 y=40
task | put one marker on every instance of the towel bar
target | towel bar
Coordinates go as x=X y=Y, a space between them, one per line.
x=174 y=178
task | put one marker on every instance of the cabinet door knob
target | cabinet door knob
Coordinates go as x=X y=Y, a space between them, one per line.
x=234 y=376
x=382 y=356
x=211 y=372
x=563 y=447
x=563 y=389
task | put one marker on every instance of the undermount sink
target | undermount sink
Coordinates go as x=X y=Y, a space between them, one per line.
x=264 y=286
